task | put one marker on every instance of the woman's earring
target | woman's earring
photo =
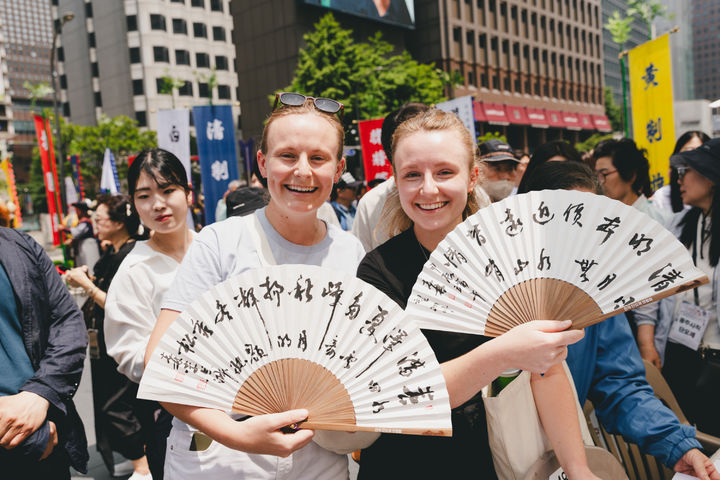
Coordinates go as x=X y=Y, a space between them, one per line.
x=128 y=210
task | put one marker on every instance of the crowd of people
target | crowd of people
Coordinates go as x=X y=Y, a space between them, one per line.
x=306 y=209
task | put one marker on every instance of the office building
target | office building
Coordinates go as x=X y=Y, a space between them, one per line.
x=26 y=27
x=706 y=48
x=534 y=67
x=115 y=55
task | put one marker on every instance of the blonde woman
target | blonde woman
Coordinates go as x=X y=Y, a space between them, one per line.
x=435 y=174
x=301 y=157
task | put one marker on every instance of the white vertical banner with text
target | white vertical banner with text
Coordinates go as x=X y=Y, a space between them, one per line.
x=463 y=108
x=173 y=135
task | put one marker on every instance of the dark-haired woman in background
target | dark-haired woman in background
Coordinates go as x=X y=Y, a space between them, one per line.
x=161 y=196
x=667 y=198
x=691 y=364
x=555 y=151
x=117 y=424
x=624 y=173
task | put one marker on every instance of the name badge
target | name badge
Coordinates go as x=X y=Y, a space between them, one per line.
x=689 y=325
x=558 y=474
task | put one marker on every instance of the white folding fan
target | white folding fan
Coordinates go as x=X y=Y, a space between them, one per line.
x=298 y=336
x=553 y=254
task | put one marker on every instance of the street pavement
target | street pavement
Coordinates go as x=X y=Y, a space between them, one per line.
x=84 y=405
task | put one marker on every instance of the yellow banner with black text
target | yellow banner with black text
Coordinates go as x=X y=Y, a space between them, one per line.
x=652 y=104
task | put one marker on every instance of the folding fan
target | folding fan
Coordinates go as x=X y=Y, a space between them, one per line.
x=553 y=254
x=298 y=336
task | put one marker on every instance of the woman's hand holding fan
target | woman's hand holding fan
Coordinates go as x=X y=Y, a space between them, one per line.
x=537 y=345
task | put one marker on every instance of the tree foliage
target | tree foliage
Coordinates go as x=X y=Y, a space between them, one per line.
x=491 y=136
x=589 y=144
x=369 y=78
x=613 y=111
x=619 y=28
x=121 y=134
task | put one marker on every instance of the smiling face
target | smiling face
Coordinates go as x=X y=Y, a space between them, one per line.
x=300 y=163
x=433 y=177
x=696 y=190
x=163 y=209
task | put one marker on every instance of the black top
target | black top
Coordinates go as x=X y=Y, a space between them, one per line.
x=105 y=269
x=393 y=268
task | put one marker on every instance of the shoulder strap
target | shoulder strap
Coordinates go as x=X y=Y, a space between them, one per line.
x=262 y=247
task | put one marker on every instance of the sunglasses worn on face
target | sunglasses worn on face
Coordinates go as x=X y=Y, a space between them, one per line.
x=326 y=105
x=681 y=171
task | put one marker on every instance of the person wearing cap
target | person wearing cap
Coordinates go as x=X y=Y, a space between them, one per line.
x=500 y=168
x=682 y=333
x=342 y=198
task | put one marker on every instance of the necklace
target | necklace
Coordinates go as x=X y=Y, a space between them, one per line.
x=422 y=249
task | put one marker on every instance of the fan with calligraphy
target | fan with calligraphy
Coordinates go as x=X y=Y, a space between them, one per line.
x=552 y=254
x=298 y=336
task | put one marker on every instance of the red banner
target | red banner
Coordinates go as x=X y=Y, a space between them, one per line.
x=6 y=166
x=45 y=147
x=374 y=159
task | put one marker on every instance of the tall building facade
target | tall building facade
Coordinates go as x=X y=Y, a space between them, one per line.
x=114 y=57
x=706 y=48
x=26 y=27
x=7 y=129
x=534 y=67
x=611 y=50
x=681 y=43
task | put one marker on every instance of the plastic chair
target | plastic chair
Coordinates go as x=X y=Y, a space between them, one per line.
x=600 y=461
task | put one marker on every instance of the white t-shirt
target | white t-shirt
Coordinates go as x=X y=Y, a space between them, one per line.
x=225 y=249
x=133 y=305
x=367 y=216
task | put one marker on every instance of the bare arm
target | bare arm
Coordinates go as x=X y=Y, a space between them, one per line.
x=556 y=407
x=534 y=346
x=646 y=342
x=78 y=277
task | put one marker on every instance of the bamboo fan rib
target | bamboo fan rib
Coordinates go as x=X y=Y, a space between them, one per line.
x=548 y=255
x=298 y=336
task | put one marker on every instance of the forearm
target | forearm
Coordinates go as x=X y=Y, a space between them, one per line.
x=557 y=410
x=164 y=320
x=465 y=376
x=646 y=335
x=214 y=423
x=97 y=295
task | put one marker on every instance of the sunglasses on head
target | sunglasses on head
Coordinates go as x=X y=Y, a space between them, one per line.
x=326 y=105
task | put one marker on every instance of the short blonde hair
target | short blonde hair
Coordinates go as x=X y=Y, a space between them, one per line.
x=307 y=107
x=394 y=220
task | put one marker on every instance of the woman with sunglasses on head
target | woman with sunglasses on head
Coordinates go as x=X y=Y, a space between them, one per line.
x=301 y=157
x=690 y=359
x=160 y=195
x=435 y=174
x=118 y=426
